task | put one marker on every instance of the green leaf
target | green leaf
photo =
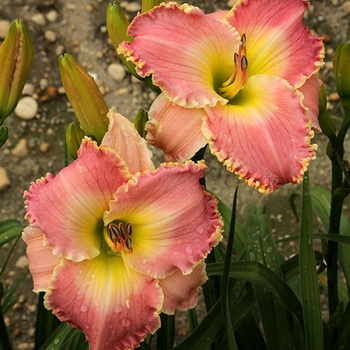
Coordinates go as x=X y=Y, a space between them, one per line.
x=225 y=277
x=165 y=334
x=259 y=274
x=60 y=337
x=9 y=229
x=5 y=339
x=308 y=276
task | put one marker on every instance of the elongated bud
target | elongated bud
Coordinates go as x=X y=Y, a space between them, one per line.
x=85 y=97
x=324 y=119
x=341 y=66
x=3 y=135
x=149 y=4
x=16 y=58
x=74 y=136
x=140 y=121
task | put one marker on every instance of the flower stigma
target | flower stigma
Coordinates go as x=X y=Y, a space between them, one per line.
x=238 y=80
x=117 y=236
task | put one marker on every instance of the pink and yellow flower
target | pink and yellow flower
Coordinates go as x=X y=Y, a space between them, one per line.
x=244 y=81
x=113 y=241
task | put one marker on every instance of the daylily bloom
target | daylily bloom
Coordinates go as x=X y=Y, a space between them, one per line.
x=244 y=81
x=113 y=241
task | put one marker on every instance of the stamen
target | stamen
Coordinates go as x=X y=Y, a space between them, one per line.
x=238 y=80
x=118 y=237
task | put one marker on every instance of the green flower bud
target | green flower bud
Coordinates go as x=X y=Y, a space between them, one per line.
x=85 y=97
x=324 y=119
x=140 y=121
x=74 y=136
x=16 y=58
x=149 y=4
x=341 y=66
x=3 y=135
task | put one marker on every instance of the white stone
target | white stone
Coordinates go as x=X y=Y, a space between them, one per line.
x=27 y=108
x=50 y=36
x=4 y=28
x=346 y=7
x=28 y=89
x=22 y=262
x=133 y=7
x=4 y=179
x=21 y=149
x=51 y=16
x=39 y=18
x=116 y=71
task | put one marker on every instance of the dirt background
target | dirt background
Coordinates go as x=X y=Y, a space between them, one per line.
x=36 y=146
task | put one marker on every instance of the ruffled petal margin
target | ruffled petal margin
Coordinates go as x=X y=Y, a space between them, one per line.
x=126 y=141
x=181 y=291
x=187 y=52
x=175 y=222
x=41 y=260
x=278 y=43
x=175 y=130
x=114 y=306
x=69 y=208
x=264 y=139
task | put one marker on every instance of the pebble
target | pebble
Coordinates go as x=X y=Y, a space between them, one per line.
x=50 y=36
x=44 y=147
x=39 y=18
x=27 y=108
x=59 y=50
x=334 y=96
x=51 y=16
x=4 y=180
x=346 y=7
x=21 y=149
x=116 y=71
x=28 y=89
x=4 y=28
x=133 y=7
x=22 y=262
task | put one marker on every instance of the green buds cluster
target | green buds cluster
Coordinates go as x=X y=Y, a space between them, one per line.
x=341 y=66
x=16 y=58
x=85 y=97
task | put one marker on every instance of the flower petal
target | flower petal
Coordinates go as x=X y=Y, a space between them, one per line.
x=188 y=52
x=41 y=260
x=114 y=306
x=181 y=291
x=69 y=208
x=277 y=41
x=175 y=222
x=264 y=139
x=174 y=129
x=311 y=90
x=125 y=140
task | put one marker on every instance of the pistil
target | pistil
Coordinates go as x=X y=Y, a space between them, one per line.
x=238 y=80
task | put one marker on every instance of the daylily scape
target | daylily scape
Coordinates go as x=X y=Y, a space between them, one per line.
x=244 y=81
x=113 y=241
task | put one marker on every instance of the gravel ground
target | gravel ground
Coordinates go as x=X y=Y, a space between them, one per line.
x=35 y=144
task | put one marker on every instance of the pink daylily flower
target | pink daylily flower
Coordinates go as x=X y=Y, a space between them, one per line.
x=244 y=81
x=113 y=241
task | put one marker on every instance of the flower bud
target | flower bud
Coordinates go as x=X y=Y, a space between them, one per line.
x=341 y=66
x=149 y=4
x=74 y=136
x=324 y=119
x=3 y=135
x=16 y=58
x=85 y=97
x=140 y=121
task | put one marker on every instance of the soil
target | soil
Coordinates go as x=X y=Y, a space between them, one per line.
x=80 y=29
